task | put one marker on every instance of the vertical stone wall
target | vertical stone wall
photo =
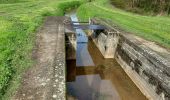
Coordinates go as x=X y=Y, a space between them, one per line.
x=70 y=46
x=71 y=43
x=106 y=42
x=148 y=69
x=145 y=68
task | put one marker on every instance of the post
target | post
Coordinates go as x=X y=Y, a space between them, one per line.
x=89 y=21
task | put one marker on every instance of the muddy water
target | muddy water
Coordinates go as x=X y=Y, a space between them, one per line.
x=91 y=77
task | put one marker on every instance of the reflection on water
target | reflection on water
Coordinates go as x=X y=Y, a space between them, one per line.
x=91 y=77
x=104 y=81
x=83 y=57
x=92 y=87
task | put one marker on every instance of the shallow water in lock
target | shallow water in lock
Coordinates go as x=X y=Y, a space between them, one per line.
x=91 y=77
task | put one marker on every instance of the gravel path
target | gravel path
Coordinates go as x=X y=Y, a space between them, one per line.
x=46 y=79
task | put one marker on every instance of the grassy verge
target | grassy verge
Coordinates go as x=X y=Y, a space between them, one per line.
x=155 y=29
x=19 y=21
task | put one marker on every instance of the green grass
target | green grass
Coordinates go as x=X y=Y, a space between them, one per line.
x=20 y=18
x=9 y=1
x=18 y=21
x=153 y=28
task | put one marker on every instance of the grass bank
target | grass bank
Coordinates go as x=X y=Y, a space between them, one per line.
x=152 y=28
x=19 y=19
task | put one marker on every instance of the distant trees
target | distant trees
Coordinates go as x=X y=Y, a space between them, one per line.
x=156 y=6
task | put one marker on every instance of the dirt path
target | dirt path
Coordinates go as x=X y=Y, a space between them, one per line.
x=46 y=79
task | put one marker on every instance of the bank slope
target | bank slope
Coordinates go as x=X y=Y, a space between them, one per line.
x=153 y=28
x=18 y=21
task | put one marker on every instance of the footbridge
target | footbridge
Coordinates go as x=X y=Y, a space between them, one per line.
x=86 y=25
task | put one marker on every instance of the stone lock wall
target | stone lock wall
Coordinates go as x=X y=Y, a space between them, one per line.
x=70 y=46
x=148 y=69
x=70 y=40
x=144 y=68
x=104 y=41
